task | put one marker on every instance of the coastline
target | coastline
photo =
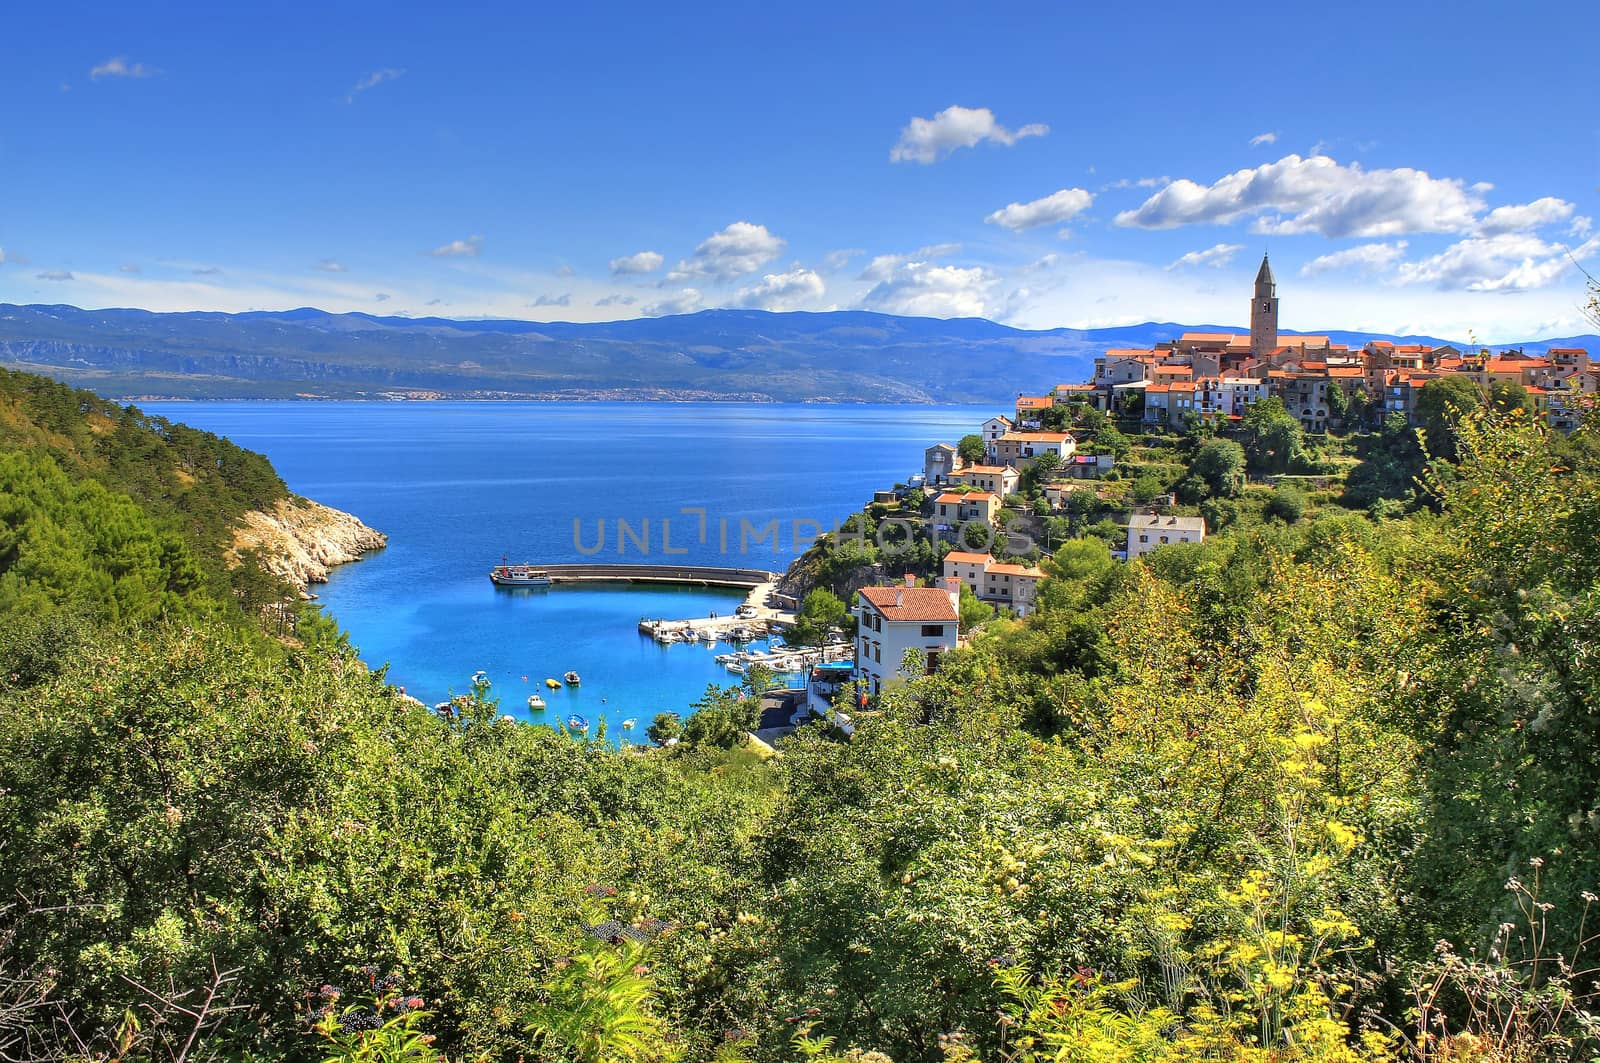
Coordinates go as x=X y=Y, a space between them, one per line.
x=300 y=540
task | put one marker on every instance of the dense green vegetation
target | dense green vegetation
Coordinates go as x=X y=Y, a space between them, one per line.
x=1227 y=803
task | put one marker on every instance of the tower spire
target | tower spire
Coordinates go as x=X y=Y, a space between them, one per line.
x=1264 y=313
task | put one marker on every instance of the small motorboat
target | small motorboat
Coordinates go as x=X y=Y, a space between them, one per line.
x=572 y=679
x=535 y=702
x=577 y=723
x=627 y=725
x=480 y=678
x=553 y=684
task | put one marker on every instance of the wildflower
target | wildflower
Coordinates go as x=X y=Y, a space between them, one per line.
x=1537 y=862
x=1588 y=897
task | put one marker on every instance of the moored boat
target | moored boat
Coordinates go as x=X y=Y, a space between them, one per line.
x=628 y=724
x=553 y=684
x=572 y=679
x=577 y=723
x=505 y=575
x=535 y=702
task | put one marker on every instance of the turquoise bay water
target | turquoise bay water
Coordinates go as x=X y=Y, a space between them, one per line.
x=456 y=485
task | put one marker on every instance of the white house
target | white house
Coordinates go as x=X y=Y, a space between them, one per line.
x=996 y=479
x=1020 y=448
x=1147 y=531
x=994 y=428
x=892 y=620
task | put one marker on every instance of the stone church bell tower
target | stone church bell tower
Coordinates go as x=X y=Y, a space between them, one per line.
x=1264 y=314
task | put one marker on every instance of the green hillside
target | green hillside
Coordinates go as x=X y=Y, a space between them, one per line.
x=1314 y=790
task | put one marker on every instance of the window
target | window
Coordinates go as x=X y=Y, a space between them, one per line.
x=877 y=652
x=1144 y=538
x=933 y=662
x=932 y=631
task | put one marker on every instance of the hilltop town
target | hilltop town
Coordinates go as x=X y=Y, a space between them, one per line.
x=1165 y=444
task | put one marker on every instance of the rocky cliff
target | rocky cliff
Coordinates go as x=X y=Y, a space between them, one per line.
x=301 y=540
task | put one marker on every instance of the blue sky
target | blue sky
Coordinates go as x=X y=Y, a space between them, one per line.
x=1410 y=167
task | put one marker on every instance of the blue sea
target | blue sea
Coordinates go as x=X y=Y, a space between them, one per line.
x=458 y=485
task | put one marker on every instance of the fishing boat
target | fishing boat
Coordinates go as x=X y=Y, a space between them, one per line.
x=553 y=684
x=505 y=575
x=577 y=723
x=572 y=679
x=535 y=702
x=708 y=636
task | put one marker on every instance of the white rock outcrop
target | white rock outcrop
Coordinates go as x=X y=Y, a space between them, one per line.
x=301 y=540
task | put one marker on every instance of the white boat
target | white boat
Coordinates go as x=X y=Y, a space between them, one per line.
x=505 y=575
x=628 y=724
x=535 y=702
x=708 y=636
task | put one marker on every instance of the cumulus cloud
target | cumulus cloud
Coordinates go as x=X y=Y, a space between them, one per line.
x=882 y=267
x=467 y=248
x=564 y=299
x=1316 y=195
x=119 y=67
x=1525 y=216
x=783 y=291
x=1046 y=262
x=616 y=300
x=686 y=301
x=1367 y=258
x=1581 y=226
x=837 y=260
x=1508 y=262
x=926 y=140
x=1216 y=256
x=741 y=248
x=1053 y=209
x=920 y=288
x=329 y=265
x=372 y=81
x=640 y=262
x=1263 y=138
x=55 y=275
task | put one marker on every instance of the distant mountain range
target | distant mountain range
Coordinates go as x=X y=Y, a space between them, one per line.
x=840 y=356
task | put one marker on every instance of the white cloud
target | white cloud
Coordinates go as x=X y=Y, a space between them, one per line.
x=55 y=275
x=329 y=265
x=1315 y=195
x=1263 y=138
x=616 y=300
x=1215 y=256
x=784 y=291
x=741 y=248
x=206 y=271
x=1581 y=226
x=686 y=301
x=1367 y=258
x=1142 y=182
x=641 y=262
x=564 y=299
x=1509 y=262
x=128 y=267
x=467 y=248
x=919 y=288
x=1042 y=264
x=837 y=260
x=926 y=140
x=1053 y=209
x=372 y=81
x=882 y=267
x=119 y=67
x=1525 y=216
x=564 y=270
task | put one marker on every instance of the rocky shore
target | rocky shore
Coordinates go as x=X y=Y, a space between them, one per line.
x=301 y=540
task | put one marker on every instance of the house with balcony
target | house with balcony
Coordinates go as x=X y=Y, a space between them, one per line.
x=893 y=620
x=998 y=480
x=955 y=508
x=1018 y=449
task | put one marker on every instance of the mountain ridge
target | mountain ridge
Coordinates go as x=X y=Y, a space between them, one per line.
x=749 y=355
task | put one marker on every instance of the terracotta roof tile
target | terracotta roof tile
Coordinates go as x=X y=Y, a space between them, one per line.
x=912 y=604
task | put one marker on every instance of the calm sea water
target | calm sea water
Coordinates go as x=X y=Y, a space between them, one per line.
x=457 y=485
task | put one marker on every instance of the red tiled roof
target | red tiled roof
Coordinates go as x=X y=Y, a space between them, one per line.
x=965 y=557
x=913 y=604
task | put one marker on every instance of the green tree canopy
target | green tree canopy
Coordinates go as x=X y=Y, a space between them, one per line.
x=971 y=448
